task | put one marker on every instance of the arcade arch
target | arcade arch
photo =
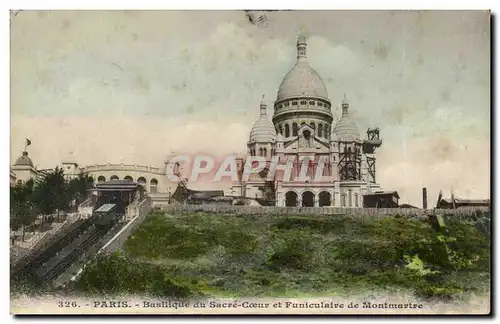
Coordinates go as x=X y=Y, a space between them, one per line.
x=307 y=199
x=291 y=199
x=325 y=199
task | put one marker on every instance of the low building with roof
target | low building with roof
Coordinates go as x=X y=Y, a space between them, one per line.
x=455 y=203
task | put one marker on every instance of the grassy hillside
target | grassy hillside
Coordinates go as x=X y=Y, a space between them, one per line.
x=201 y=254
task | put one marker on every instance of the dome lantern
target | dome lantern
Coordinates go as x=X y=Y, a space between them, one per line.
x=302 y=47
x=263 y=107
x=345 y=105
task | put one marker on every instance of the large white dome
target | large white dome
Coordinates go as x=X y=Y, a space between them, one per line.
x=302 y=80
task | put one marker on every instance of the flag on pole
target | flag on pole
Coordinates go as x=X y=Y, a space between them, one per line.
x=28 y=142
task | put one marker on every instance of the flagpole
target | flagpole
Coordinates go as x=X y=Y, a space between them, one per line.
x=27 y=143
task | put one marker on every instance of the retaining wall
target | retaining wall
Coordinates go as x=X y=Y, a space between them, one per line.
x=142 y=210
x=462 y=214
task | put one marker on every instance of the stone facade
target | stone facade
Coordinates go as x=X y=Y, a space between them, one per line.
x=303 y=127
x=154 y=179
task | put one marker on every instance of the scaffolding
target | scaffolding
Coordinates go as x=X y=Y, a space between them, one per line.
x=349 y=161
x=371 y=143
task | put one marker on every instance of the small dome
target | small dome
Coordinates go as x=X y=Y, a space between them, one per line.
x=24 y=160
x=263 y=130
x=346 y=129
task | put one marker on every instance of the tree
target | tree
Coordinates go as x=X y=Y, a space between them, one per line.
x=79 y=186
x=23 y=211
x=51 y=192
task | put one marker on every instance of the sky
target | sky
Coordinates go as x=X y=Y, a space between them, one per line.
x=132 y=86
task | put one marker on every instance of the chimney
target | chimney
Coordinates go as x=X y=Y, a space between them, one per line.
x=424 y=198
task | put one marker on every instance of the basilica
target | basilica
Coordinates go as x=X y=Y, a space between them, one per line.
x=302 y=128
x=303 y=125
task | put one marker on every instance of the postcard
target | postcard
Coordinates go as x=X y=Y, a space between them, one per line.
x=250 y=162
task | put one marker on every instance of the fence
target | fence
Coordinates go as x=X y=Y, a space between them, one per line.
x=46 y=237
x=462 y=214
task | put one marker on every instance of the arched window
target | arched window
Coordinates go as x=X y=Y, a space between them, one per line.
x=356 y=199
x=302 y=124
x=342 y=200
x=320 y=130
x=261 y=151
x=128 y=178
x=280 y=129
x=153 y=186
x=295 y=129
x=19 y=182
x=114 y=177
x=287 y=130
x=101 y=179
x=142 y=181
x=264 y=152
x=313 y=125
x=303 y=102
x=312 y=103
x=350 y=198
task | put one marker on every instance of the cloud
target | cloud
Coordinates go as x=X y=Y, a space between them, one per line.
x=143 y=140
x=131 y=86
x=437 y=163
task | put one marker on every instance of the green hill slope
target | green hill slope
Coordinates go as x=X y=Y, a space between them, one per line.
x=189 y=255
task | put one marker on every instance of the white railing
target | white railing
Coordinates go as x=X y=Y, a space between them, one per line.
x=44 y=238
x=86 y=203
x=85 y=208
x=122 y=167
